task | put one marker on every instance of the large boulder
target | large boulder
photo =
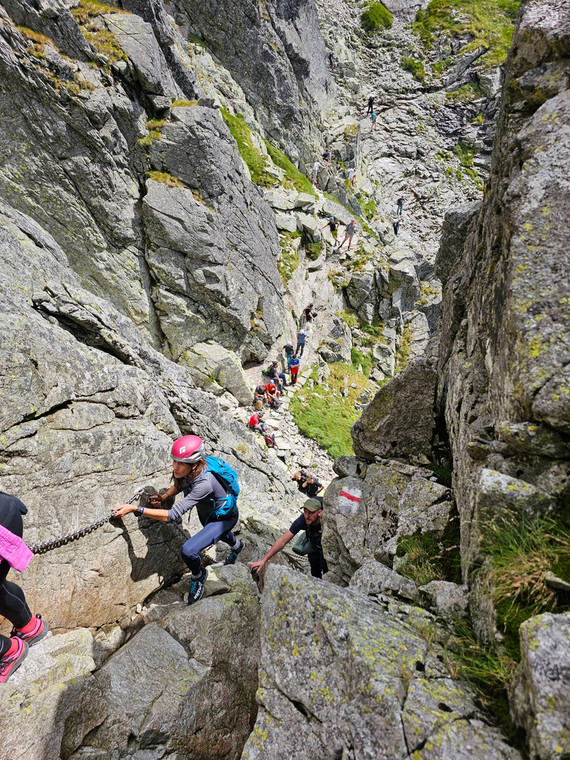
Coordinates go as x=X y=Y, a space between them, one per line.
x=40 y=704
x=540 y=692
x=183 y=686
x=366 y=510
x=399 y=422
x=341 y=676
x=186 y=683
x=216 y=369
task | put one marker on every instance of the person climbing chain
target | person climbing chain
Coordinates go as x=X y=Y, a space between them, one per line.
x=28 y=629
x=210 y=485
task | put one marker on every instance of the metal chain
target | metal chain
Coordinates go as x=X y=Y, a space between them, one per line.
x=63 y=540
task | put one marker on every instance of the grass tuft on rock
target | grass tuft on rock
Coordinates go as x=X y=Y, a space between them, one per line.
x=293 y=177
x=164 y=178
x=253 y=157
x=488 y=23
x=415 y=67
x=376 y=17
x=522 y=553
x=489 y=671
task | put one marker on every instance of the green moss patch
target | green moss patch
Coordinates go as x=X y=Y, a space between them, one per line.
x=293 y=177
x=415 y=67
x=182 y=103
x=253 y=157
x=164 y=178
x=431 y=556
x=288 y=259
x=489 y=23
x=324 y=414
x=376 y=17
x=466 y=93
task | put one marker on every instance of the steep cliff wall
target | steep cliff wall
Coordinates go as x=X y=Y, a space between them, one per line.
x=504 y=358
x=275 y=51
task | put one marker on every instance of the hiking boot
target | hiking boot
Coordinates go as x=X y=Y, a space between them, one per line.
x=37 y=633
x=197 y=586
x=11 y=662
x=233 y=555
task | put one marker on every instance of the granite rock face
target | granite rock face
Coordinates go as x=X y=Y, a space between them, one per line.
x=94 y=407
x=341 y=677
x=275 y=51
x=162 y=221
x=183 y=686
x=540 y=691
x=400 y=421
x=503 y=360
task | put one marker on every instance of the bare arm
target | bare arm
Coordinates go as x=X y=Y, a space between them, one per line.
x=155 y=514
x=275 y=549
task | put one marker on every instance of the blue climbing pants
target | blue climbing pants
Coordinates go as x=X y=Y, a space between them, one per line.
x=211 y=533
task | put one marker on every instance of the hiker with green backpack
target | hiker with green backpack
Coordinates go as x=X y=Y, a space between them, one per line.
x=309 y=543
x=210 y=485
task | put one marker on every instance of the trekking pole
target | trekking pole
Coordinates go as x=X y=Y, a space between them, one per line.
x=67 y=539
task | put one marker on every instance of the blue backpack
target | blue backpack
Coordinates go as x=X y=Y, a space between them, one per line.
x=228 y=478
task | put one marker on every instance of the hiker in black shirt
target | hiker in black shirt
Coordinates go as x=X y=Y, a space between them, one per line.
x=306 y=484
x=310 y=522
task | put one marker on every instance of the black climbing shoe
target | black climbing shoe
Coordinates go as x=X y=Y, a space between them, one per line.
x=233 y=555
x=197 y=586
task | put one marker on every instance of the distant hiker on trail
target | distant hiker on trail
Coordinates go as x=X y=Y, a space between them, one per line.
x=327 y=155
x=373 y=119
x=277 y=377
x=256 y=422
x=396 y=226
x=310 y=522
x=289 y=354
x=370 y=107
x=400 y=205
x=301 y=340
x=28 y=629
x=294 y=366
x=210 y=485
x=307 y=484
x=315 y=172
x=349 y=234
x=332 y=224
x=351 y=176
x=272 y=395
x=309 y=313
x=260 y=397
x=330 y=59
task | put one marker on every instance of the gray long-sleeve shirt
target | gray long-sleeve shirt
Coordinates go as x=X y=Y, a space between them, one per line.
x=203 y=493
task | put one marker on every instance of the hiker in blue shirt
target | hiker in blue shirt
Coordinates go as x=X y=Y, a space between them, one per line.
x=215 y=503
x=310 y=522
x=294 y=367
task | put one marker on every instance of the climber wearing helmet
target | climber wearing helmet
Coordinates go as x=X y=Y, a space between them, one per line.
x=206 y=486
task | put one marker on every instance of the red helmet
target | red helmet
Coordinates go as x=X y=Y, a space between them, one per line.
x=188 y=449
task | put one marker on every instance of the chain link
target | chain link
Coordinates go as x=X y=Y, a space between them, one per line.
x=55 y=543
